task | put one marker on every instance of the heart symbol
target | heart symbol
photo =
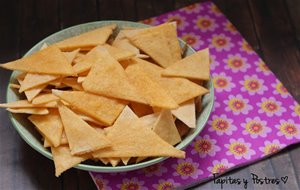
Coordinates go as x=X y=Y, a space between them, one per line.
x=284 y=179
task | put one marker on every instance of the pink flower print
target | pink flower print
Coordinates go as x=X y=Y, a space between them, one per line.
x=245 y=47
x=101 y=183
x=194 y=8
x=288 y=128
x=192 y=39
x=262 y=67
x=255 y=127
x=132 y=184
x=213 y=62
x=253 y=85
x=236 y=63
x=205 y=23
x=239 y=149
x=237 y=105
x=215 y=10
x=270 y=106
x=280 y=89
x=230 y=27
x=204 y=146
x=222 y=82
x=271 y=147
x=219 y=167
x=221 y=42
x=221 y=125
x=154 y=170
x=180 y=21
x=165 y=184
x=186 y=168
x=296 y=109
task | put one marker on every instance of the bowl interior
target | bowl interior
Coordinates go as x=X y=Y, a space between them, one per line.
x=28 y=132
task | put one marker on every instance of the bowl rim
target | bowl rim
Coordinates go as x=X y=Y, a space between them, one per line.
x=108 y=169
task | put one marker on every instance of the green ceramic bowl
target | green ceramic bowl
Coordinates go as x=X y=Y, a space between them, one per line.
x=31 y=136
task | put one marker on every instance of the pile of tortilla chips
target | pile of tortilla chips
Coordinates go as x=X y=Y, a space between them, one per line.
x=117 y=100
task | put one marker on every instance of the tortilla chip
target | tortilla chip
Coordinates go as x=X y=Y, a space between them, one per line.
x=155 y=45
x=44 y=46
x=154 y=94
x=114 y=161
x=71 y=55
x=136 y=141
x=44 y=98
x=198 y=103
x=88 y=60
x=72 y=82
x=182 y=128
x=64 y=160
x=186 y=112
x=195 y=66
x=82 y=138
x=27 y=104
x=125 y=160
x=49 y=125
x=180 y=89
x=166 y=128
x=149 y=120
x=88 y=39
x=32 y=80
x=21 y=76
x=47 y=143
x=142 y=56
x=126 y=45
x=35 y=111
x=48 y=61
x=16 y=86
x=80 y=79
x=33 y=92
x=100 y=80
x=117 y=53
x=105 y=161
x=140 y=109
x=90 y=119
x=64 y=140
x=105 y=110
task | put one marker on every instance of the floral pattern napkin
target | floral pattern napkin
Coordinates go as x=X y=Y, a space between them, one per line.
x=253 y=116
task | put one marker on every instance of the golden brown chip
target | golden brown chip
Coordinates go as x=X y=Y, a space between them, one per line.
x=155 y=45
x=71 y=55
x=106 y=110
x=166 y=129
x=117 y=53
x=154 y=94
x=186 y=112
x=49 y=125
x=149 y=120
x=44 y=98
x=108 y=78
x=195 y=66
x=47 y=61
x=16 y=86
x=35 y=111
x=134 y=140
x=64 y=160
x=126 y=45
x=182 y=128
x=180 y=89
x=198 y=103
x=33 y=92
x=72 y=82
x=140 y=109
x=82 y=138
x=32 y=80
x=86 y=40
x=27 y=104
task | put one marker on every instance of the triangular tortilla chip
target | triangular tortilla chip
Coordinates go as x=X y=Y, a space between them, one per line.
x=154 y=94
x=32 y=80
x=106 y=110
x=87 y=61
x=27 y=104
x=71 y=55
x=72 y=82
x=33 y=92
x=64 y=160
x=150 y=120
x=88 y=39
x=63 y=140
x=186 y=112
x=180 y=89
x=136 y=141
x=82 y=138
x=117 y=53
x=34 y=111
x=195 y=66
x=44 y=98
x=105 y=161
x=47 y=61
x=166 y=128
x=16 y=86
x=49 y=125
x=80 y=79
x=139 y=159
x=114 y=161
x=155 y=45
x=100 y=80
x=90 y=119
x=198 y=103
x=126 y=45
x=140 y=109
x=182 y=128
